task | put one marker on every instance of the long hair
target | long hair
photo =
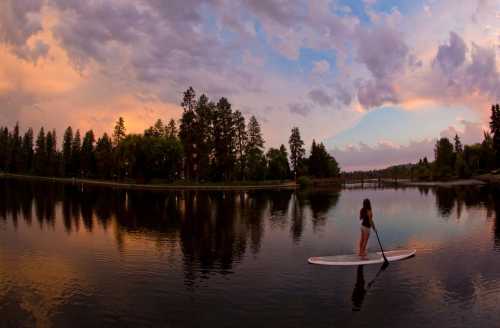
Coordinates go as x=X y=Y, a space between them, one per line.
x=367 y=206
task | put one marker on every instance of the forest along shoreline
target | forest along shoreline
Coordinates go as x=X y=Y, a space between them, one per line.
x=253 y=185
x=262 y=185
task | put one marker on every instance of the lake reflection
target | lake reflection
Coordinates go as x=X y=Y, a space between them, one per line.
x=89 y=256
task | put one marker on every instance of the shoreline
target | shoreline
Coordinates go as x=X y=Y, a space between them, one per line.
x=158 y=187
x=453 y=183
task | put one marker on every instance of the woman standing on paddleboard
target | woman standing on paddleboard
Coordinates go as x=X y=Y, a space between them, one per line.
x=366 y=218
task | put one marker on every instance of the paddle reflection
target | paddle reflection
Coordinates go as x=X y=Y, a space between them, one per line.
x=360 y=288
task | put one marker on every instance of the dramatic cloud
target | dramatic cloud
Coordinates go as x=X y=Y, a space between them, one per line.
x=451 y=56
x=19 y=20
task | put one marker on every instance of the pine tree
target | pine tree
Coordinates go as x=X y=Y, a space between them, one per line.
x=15 y=150
x=50 y=141
x=104 y=157
x=76 y=154
x=224 y=141
x=255 y=160
x=297 y=151
x=119 y=132
x=27 y=151
x=189 y=100
x=67 y=145
x=203 y=135
x=41 y=153
x=157 y=130
x=4 y=148
x=495 y=131
x=458 y=144
x=87 y=160
x=171 y=129
x=187 y=134
x=240 y=142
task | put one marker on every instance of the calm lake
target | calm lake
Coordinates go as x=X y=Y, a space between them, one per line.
x=84 y=256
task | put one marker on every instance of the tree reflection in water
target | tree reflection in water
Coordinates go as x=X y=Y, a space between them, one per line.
x=214 y=229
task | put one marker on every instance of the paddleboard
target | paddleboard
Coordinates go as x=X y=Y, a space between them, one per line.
x=370 y=258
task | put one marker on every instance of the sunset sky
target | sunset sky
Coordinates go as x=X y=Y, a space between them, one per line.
x=376 y=80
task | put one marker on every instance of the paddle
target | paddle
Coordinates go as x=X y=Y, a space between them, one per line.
x=386 y=262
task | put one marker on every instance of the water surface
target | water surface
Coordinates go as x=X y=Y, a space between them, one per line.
x=88 y=256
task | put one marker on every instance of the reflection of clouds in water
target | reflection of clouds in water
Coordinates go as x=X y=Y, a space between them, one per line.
x=51 y=282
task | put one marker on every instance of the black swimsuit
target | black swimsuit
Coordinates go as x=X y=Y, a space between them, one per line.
x=363 y=215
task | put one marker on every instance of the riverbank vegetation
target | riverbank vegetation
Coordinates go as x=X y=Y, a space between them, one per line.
x=452 y=159
x=210 y=143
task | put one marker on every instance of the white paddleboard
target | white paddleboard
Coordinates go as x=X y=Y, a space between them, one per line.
x=354 y=259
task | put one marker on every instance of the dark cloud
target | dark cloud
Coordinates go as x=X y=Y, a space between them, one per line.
x=452 y=55
x=343 y=95
x=382 y=50
x=300 y=109
x=384 y=53
x=320 y=97
x=19 y=20
x=281 y=11
x=482 y=74
x=375 y=93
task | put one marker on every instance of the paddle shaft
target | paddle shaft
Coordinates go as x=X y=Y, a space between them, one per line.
x=380 y=244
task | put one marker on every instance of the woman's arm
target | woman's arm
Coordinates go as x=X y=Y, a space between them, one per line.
x=370 y=217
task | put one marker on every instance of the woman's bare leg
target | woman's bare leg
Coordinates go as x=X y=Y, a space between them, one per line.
x=365 y=237
x=360 y=244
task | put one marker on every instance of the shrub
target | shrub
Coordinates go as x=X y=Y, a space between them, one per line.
x=304 y=182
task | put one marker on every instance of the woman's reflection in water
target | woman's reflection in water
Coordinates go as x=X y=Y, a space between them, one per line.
x=359 y=292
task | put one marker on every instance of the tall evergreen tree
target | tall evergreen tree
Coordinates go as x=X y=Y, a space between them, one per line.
x=76 y=154
x=41 y=153
x=171 y=129
x=495 y=131
x=458 y=144
x=87 y=156
x=224 y=141
x=241 y=141
x=119 y=132
x=50 y=141
x=15 y=150
x=157 y=130
x=66 y=150
x=4 y=148
x=27 y=151
x=255 y=160
x=187 y=135
x=297 y=151
x=104 y=157
x=203 y=135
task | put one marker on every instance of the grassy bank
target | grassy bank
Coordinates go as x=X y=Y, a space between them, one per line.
x=180 y=185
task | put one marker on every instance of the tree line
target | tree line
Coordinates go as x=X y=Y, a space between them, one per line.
x=210 y=143
x=452 y=159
